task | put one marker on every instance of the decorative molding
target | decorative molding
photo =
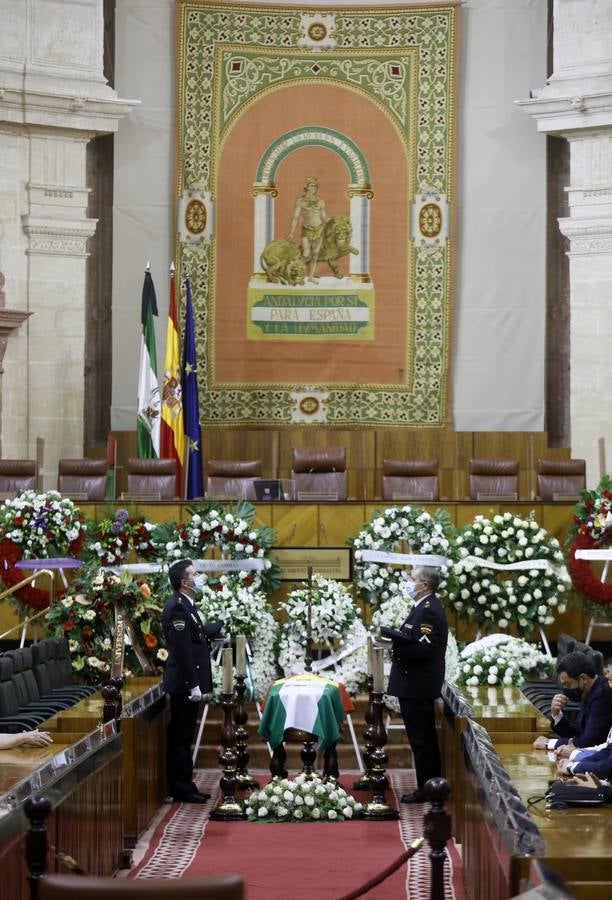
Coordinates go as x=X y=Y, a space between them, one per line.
x=58 y=237
x=10 y=320
x=588 y=237
x=63 y=110
x=565 y=115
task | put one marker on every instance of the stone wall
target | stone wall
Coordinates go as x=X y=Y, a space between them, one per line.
x=576 y=103
x=53 y=100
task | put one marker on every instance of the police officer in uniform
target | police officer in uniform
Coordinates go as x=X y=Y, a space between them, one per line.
x=187 y=675
x=417 y=674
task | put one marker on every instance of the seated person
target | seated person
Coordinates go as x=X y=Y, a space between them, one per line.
x=581 y=683
x=568 y=751
x=592 y=781
x=25 y=739
x=599 y=763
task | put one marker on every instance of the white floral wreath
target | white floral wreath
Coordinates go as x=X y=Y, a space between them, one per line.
x=244 y=611
x=423 y=533
x=391 y=614
x=530 y=593
x=335 y=623
x=500 y=659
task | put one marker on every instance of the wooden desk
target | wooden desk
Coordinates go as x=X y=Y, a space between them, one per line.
x=104 y=789
x=84 y=784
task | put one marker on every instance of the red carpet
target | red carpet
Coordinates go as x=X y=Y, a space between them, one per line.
x=294 y=860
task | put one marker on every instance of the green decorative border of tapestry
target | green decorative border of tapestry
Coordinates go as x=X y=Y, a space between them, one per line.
x=207 y=32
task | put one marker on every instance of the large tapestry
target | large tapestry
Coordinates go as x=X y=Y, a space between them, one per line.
x=315 y=200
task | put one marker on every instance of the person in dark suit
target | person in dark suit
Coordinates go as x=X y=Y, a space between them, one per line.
x=187 y=676
x=417 y=674
x=580 y=682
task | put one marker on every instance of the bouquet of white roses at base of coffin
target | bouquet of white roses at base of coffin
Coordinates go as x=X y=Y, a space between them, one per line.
x=500 y=659
x=302 y=800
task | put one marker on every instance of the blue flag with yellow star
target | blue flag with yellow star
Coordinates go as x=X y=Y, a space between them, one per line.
x=194 y=486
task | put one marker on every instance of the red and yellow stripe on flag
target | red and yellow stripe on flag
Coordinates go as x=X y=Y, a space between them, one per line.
x=172 y=439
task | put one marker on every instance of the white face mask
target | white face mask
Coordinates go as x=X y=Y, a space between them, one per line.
x=198 y=582
x=409 y=588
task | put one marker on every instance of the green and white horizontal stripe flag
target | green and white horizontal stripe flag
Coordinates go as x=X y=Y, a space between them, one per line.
x=310 y=704
x=149 y=402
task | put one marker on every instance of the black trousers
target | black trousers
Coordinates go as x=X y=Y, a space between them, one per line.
x=420 y=724
x=183 y=717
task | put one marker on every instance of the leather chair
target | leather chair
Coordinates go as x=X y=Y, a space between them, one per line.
x=84 y=478
x=561 y=478
x=232 y=478
x=410 y=479
x=17 y=475
x=490 y=478
x=319 y=473
x=77 y=887
x=153 y=479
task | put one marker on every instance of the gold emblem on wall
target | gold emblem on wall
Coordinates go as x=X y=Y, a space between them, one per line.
x=195 y=217
x=430 y=220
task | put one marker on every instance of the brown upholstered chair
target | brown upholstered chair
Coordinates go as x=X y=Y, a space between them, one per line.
x=319 y=473
x=82 y=478
x=410 y=479
x=76 y=887
x=152 y=479
x=17 y=475
x=494 y=478
x=232 y=478
x=561 y=478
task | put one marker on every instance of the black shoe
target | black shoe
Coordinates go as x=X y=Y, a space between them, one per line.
x=416 y=797
x=191 y=798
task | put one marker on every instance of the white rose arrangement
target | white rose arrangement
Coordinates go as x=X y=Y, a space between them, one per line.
x=335 y=622
x=301 y=800
x=419 y=530
x=501 y=660
x=527 y=596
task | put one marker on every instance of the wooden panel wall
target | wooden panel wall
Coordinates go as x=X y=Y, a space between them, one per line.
x=366 y=449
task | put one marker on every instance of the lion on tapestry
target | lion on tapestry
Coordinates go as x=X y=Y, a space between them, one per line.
x=283 y=262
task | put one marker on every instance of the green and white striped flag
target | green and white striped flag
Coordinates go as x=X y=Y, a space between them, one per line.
x=149 y=401
x=307 y=702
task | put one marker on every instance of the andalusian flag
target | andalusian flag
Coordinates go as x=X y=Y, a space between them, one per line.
x=147 y=426
x=172 y=429
x=191 y=406
x=307 y=702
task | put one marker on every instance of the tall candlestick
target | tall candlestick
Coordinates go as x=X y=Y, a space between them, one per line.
x=228 y=675
x=241 y=655
x=378 y=671
x=370 y=661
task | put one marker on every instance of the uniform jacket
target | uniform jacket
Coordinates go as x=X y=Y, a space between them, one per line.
x=593 y=720
x=417 y=670
x=187 y=639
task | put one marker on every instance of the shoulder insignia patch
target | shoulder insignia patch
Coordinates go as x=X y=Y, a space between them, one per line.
x=178 y=625
x=426 y=629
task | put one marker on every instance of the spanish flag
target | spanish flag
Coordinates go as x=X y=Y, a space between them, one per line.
x=172 y=441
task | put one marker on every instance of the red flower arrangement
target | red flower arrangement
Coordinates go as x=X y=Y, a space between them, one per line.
x=591 y=530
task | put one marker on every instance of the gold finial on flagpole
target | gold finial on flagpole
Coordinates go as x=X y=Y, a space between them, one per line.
x=148 y=266
x=172 y=269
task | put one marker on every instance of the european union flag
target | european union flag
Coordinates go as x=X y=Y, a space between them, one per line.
x=194 y=486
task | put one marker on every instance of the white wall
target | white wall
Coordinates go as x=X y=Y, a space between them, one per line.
x=497 y=374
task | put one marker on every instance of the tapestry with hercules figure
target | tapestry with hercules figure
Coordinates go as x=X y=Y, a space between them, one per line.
x=315 y=201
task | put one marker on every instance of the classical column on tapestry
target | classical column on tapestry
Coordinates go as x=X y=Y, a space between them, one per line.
x=323 y=142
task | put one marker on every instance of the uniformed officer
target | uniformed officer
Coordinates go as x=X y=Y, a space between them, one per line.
x=187 y=675
x=417 y=674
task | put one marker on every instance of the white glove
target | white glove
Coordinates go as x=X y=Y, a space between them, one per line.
x=195 y=694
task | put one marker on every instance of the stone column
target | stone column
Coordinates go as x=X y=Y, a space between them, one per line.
x=263 y=225
x=53 y=100
x=359 y=264
x=577 y=104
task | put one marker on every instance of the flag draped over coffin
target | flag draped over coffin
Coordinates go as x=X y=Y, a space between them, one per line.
x=307 y=702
